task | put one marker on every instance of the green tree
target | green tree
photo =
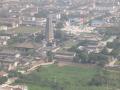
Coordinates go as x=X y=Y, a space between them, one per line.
x=59 y=25
x=81 y=56
x=98 y=58
x=93 y=57
x=115 y=52
x=31 y=52
x=62 y=36
x=3 y=80
x=14 y=74
x=49 y=56
x=105 y=51
x=73 y=48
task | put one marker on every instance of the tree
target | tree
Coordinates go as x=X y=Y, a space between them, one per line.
x=64 y=17
x=110 y=45
x=98 y=58
x=73 y=49
x=93 y=58
x=3 y=80
x=31 y=52
x=115 y=52
x=105 y=51
x=39 y=38
x=49 y=56
x=59 y=25
x=102 y=59
x=81 y=56
x=14 y=74
x=115 y=44
x=76 y=59
x=42 y=13
x=62 y=36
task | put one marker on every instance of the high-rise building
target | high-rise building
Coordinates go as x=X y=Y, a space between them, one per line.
x=49 y=32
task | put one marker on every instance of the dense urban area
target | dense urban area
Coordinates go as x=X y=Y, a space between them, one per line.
x=59 y=44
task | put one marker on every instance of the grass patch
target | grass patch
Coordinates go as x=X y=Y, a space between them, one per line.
x=35 y=87
x=61 y=78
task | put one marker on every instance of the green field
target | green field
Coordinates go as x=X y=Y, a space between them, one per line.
x=62 y=78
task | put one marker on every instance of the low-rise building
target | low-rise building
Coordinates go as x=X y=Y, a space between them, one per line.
x=64 y=56
x=9 y=59
x=8 y=23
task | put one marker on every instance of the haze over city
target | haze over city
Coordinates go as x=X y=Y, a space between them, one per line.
x=59 y=44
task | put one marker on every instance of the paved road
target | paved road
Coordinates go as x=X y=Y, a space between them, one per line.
x=37 y=65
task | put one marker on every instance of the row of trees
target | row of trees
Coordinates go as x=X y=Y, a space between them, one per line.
x=82 y=56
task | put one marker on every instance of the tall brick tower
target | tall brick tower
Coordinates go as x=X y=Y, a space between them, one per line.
x=49 y=32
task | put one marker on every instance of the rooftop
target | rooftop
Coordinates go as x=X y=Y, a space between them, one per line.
x=27 y=45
